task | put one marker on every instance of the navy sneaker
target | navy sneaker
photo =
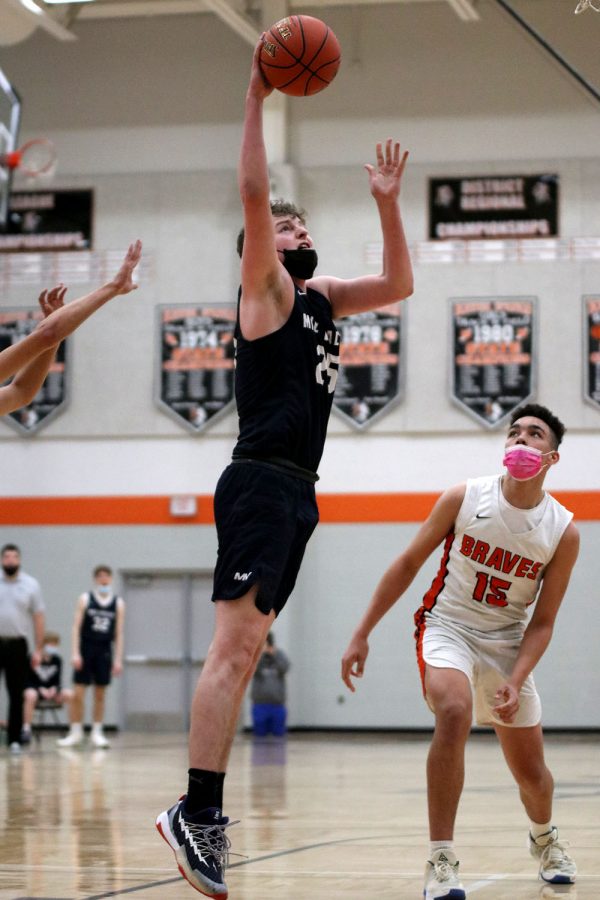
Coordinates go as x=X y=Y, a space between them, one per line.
x=200 y=845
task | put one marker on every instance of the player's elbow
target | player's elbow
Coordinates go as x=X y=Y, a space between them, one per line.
x=405 y=287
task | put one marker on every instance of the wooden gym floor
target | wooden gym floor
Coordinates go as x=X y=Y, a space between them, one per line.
x=323 y=816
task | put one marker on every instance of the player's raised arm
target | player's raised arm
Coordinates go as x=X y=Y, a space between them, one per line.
x=62 y=320
x=28 y=380
x=260 y=265
x=395 y=282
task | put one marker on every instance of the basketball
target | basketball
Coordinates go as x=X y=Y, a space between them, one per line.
x=300 y=55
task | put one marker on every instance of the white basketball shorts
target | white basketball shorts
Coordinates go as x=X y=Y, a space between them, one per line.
x=487 y=659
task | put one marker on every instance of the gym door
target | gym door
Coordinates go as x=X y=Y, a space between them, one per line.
x=168 y=628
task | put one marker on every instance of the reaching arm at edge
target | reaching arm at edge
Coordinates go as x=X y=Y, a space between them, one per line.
x=62 y=322
x=26 y=383
x=398 y=578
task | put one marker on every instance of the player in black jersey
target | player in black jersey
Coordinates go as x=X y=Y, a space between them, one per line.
x=97 y=639
x=27 y=363
x=287 y=357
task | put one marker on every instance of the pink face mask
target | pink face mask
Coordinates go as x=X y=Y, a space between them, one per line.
x=523 y=462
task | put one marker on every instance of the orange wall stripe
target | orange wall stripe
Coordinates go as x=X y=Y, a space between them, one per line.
x=334 y=508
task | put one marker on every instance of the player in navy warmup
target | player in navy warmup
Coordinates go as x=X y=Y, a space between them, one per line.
x=287 y=359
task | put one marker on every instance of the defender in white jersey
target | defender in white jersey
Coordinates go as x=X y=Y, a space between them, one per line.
x=507 y=545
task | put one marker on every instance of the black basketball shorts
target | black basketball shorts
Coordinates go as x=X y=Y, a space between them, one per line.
x=264 y=519
x=97 y=665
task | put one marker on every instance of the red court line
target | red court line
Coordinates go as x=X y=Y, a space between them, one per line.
x=154 y=510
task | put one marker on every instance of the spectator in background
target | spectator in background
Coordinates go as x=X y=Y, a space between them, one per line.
x=268 y=692
x=21 y=608
x=44 y=682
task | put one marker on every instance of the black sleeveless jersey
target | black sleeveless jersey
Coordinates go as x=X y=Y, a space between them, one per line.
x=284 y=384
x=99 y=622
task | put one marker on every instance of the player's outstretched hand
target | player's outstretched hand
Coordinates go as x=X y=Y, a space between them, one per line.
x=52 y=300
x=385 y=177
x=123 y=282
x=353 y=661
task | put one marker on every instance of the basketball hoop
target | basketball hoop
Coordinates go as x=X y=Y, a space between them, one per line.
x=584 y=4
x=35 y=158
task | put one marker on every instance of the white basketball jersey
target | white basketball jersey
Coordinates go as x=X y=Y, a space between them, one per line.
x=489 y=574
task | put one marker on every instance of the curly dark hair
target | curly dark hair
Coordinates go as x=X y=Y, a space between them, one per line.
x=541 y=412
x=278 y=208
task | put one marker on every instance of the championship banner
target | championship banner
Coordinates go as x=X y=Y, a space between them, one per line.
x=494 y=207
x=196 y=363
x=492 y=365
x=370 y=379
x=16 y=324
x=592 y=349
x=48 y=221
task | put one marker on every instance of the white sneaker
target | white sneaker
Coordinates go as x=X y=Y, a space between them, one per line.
x=73 y=739
x=441 y=877
x=98 y=740
x=556 y=866
x=15 y=748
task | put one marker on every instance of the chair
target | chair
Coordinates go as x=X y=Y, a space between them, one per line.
x=43 y=709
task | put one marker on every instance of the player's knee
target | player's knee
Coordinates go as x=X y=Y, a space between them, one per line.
x=235 y=656
x=453 y=713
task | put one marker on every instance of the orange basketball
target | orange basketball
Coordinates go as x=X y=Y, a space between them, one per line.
x=300 y=55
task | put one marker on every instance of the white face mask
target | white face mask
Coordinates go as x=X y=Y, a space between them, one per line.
x=49 y=649
x=104 y=589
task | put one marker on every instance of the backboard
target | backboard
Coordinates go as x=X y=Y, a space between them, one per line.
x=10 y=117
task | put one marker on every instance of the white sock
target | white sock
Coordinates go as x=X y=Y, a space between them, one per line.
x=97 y=728
x=539 y=830
x=434 y=846
x=27 y=729
x=76 y=729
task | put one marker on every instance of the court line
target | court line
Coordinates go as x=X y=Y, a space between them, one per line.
x=488 y=881
x=244 y=862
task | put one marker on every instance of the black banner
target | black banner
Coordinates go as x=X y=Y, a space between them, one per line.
x=492 y=365
x=369 y=380
x=592 y=349
x=493 y=207
x=52 y=396
x=48 y=221
x=196 y=362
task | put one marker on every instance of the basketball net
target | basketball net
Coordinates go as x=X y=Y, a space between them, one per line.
x=584 y=4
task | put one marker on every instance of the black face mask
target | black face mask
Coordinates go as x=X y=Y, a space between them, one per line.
x=301 y=263
x=10 y=570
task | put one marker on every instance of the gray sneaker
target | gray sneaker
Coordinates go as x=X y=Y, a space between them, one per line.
x=556 y=866
x=441 y=877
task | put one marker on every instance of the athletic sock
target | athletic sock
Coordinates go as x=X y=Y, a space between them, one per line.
x=538 y=830
x=205 y=790
x=220 y=784
x=76 y=729
x=434 y=846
